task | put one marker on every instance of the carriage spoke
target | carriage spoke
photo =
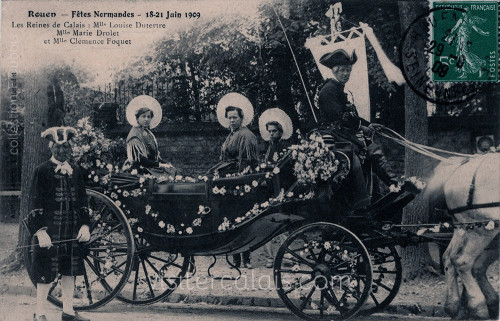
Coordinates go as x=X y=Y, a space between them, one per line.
x=87 y=286
x=136 y=278
x=379 y=283
x=335 y=302
x=105 y=233
x=100 y=260
x=311 y=251
x=147 y=279
x=374 y=299
x=321 y=303
x=165 y=261
x=301 y=284
x=159 y=274
x=304 y=303
x=301 y=259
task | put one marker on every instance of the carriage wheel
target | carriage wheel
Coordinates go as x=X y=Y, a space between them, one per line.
x=323 y=272
x=155 y=274
x=387 y=276
x=108 y=257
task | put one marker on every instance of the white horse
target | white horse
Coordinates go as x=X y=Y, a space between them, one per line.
x=472 y=187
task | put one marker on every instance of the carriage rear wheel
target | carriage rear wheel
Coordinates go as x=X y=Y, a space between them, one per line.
x=155 y=274
x=108 y=257
x=323 y=272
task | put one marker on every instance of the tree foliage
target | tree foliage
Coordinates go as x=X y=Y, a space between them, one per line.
x=250 y=54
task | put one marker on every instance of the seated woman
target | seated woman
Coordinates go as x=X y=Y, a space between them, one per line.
x=239 y=150
x=144 y=113
x=275 y=127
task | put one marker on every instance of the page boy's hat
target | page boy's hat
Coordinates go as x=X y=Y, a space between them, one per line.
x=59 y=135
x=338 y=57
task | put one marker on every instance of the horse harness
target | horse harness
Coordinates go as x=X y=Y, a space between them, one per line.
x=469 y=205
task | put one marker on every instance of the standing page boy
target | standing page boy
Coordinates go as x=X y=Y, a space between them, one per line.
x=59 y=214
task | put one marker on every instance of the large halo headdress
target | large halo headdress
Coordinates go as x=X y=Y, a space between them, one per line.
x=140 y=102
x=234 y=100
x=277 y=115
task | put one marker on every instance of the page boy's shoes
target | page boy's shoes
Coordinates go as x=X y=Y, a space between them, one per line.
x=76 y=317
x=40 y=318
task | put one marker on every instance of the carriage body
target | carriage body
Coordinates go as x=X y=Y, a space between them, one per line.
x=179 y=205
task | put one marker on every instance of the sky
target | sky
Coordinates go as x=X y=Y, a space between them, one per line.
x=24 y=48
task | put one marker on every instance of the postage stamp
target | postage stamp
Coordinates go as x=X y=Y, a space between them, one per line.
x=464 y=41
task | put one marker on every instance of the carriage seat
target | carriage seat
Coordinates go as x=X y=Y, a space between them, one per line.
x=180 y=188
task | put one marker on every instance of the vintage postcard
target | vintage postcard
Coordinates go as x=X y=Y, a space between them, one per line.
x=224 y=158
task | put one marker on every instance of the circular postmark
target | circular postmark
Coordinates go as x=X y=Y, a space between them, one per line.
x=425 y=70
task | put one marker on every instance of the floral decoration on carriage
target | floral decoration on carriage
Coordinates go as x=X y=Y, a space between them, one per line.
x=310 y=162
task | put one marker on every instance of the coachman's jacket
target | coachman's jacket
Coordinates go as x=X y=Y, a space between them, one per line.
x=59 y=204
x=340 y=118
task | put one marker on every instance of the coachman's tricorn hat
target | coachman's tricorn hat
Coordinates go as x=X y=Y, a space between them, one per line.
x=59 y=135
x=338 y=57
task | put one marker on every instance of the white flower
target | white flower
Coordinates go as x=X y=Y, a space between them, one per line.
x=265 y=204
x=141 y=180
x=289 y=194
x=148 y=208
x=118 y=203
x=170 y=228
x=109 y=167
x=238 y=220
x=255 y=184
x=276 y=170
x=178 y=177
x=421 y=231
x=215 y=190
x=96 y=178
x=394 y=189
x=327 y=245
x=446 y=224
x=247 y=188
x=201 y=209
x=134 y=172
x=490 y=226
x=435 y=229
x=113 y=195
x=222 y=191
x=126 y=193
x=197 y=222
x=295 y=268
x=139 y=229
x=189 y=230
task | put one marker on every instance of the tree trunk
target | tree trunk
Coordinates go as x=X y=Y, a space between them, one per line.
x=196 y=92
x=35 y=151
x=415 y=259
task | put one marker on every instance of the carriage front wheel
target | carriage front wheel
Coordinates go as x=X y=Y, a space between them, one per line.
x=323 y=272
x=108 y=256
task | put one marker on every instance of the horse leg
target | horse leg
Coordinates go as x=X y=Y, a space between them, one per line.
x=473 y=244
x=479 y=269
x=452 y=302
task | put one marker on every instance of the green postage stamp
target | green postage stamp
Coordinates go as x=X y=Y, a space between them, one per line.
x=464 y=41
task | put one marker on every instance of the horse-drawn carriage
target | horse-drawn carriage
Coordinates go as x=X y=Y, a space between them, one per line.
x=328 y=267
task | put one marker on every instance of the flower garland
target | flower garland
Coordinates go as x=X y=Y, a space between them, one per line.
x=258 y=209
x=182 y=228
